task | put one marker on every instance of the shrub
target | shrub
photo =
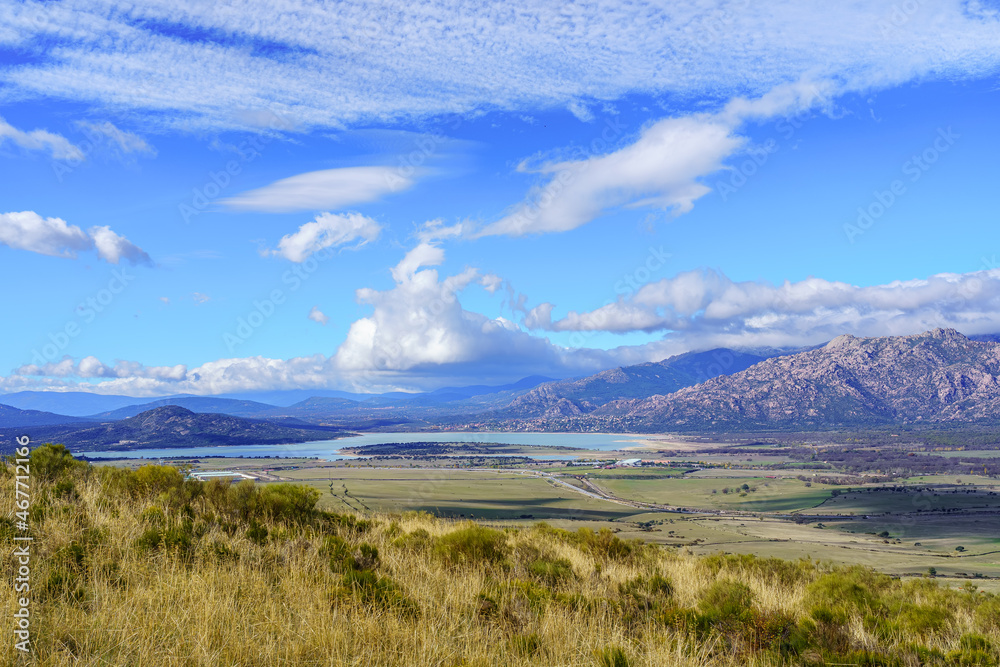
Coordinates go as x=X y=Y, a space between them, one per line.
x=418 y=540
x=473 y=544
x=50 y=461
x=605 y=545
x=149 y=540
x=526 y=645
x=377 y=590
x=153 y=480
x=551 y=572
x=924 y=619
x=847 y=591
x=612 y=656
x=257 y=533
x=647 y=594
x=726 y=600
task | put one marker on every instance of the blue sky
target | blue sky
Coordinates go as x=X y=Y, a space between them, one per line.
x=208 y=199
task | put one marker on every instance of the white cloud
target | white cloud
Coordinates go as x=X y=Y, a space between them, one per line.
x=419 y=335
x=420 y=325
x=491 y=282
x=26 y=230
x=201 y=298
x=354 y=63
x=112 y=247
x=40 y=140
x=326 y=231
x=317 y=315
x=706 y=308
x=326 y=189
x=91 y=367
x=660 y=169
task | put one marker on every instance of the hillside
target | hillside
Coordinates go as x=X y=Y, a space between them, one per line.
x=203 y=404
x=145 y=568
x=174 y=426
x=577 y=397
x=938 y=377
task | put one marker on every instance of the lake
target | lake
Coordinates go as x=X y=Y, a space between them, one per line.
x=329 y=449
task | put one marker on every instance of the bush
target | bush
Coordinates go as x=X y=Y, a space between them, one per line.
x=605 y=545
x=923 y=619
x=49 y=461
x=612 y=656
x=152 y=480
x=847 y=592
x=647 y=594
x=257 y=533
x=473 y=544
x=551 y=572
x=725 y=604
x=380 y=591
x=526 y=645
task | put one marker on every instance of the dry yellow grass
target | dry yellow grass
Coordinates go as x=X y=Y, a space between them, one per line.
x=104 y=594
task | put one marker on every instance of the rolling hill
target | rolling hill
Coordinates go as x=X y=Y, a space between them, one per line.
x=174 y=426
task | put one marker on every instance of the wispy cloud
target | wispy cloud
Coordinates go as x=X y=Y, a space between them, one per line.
x=119 y=140
x=661 y=169
x=326 y=189
x=355 y=63
x=56 y=145
x=328 y=230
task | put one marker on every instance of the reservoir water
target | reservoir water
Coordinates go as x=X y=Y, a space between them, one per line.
x=330 y=449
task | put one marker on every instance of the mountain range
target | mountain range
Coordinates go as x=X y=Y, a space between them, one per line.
x=937 y=377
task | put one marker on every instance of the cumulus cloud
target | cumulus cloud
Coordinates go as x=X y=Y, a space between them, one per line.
x=419 y=335
x=706 y=307
x=317 y=315
x=91 y=367
x=326 y=231
x=55 y=145
x=326 y=189
x=421 y=324
x=660 y=169
x=354 y=63
x=26 y=230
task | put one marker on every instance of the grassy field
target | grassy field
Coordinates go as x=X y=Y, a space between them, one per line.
x=146 y=568
x=771 y=495
x=453 y=493
x=914 y=543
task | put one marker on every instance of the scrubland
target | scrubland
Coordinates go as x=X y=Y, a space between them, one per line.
x=145 y=567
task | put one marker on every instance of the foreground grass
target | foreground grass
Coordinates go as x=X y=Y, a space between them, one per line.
x=145 y=568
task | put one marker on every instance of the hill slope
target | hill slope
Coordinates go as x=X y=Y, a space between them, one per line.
x=935 y=377
x=174 y=426
x=202 y=404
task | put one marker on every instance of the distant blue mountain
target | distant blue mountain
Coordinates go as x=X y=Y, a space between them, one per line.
x=267 y=404
x=196 y=404
x=73 y=403
x=11 y=417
